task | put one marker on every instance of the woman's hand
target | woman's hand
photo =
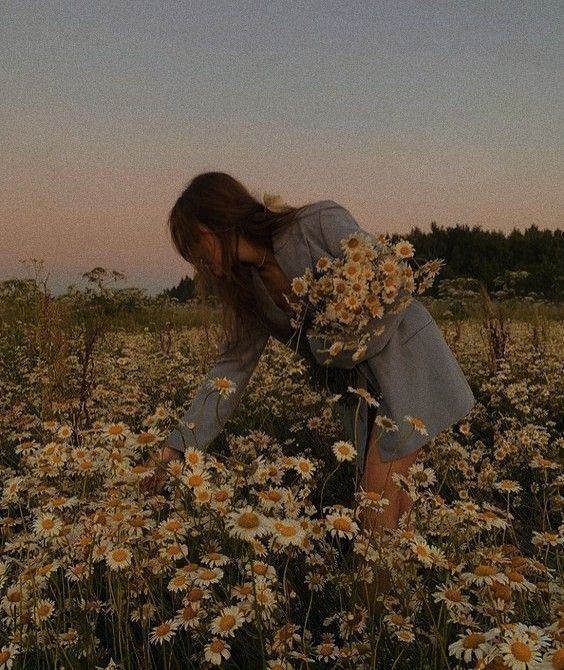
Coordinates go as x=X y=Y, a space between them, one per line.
x=159 y=459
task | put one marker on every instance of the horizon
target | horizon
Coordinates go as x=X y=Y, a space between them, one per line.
x=404 y=114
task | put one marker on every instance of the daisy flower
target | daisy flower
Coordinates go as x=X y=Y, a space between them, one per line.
x=287 y=531
x=304 y=467
x=246 y=524
x=472 y=645
x=196 y=478
x=371 y=499
x=485 y=574
x=215 y=558
x=64 y=432
x=417 y=423
x=452 y=596
x=164 y=631
x=43 y=610
x=188 y=616
x=546 y=538
x=208 y=576
x=118 y=558
x=403 y=249
x=422 y=475
x=228 y=620
x=404 y=635
x=7 y=655
x=507 y=486
x=194 y=457
x=179 y=582
x=217 y=650
x=47 y=525
x=341 y=525
x=365 y=395
x=116 y=431
x=222 y=385
x=344 y=450
x=518 y=650
x=386 y=423
x=422 y=551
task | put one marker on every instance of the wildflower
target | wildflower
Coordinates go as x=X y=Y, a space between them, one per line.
x=164 y=631
x=518 y=581
x=417 y=423
x=386 y=423
x=344 y=450
x=217 y=650
x=215 y=558
x=404 y=249
x=118 y=558
x=322 y=264
x=327 y=649
x=422 y=551
x=43 y=610
x=546 y=538
x=64 y=432
x=485 y=574
x=422 y=475
x=470 y=645
x=246 y=524
x=7 y=655
x=341 y=525
x=287 y=531
x=464 y=428
x=404 y=635
x=365 y=395
x=196 y=478
x=147 y=436
x=69 y=637
x=116 y=431
x=304 y=467
x=518 y=650
x=179 y=582
x=371 y=499
x=507 y=486
x=208 y=576
x=194 y=457
x=299 y=286
x=452 y=596
x=47 y=525
x=554 y=659
x=188 y=616
x=229 y=619
x=222 y=385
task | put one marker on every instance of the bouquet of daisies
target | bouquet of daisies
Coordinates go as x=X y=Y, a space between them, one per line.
x=351 y=300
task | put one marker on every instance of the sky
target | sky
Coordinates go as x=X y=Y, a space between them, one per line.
x=405 y=112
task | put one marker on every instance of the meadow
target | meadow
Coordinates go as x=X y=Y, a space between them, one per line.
x=252 y=556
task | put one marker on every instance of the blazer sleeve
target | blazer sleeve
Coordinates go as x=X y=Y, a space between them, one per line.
x=335 y=224
x=236 y=362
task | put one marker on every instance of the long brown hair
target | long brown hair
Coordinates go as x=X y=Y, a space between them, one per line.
x=222 y=204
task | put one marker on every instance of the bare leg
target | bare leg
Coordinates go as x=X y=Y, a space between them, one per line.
x=377 y=476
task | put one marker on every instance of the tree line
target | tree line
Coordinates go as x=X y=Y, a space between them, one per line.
x=532 y=261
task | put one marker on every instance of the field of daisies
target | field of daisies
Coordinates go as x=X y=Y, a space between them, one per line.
x=253 y=555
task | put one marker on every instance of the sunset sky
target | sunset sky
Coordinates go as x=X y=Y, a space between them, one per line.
x=405 y=112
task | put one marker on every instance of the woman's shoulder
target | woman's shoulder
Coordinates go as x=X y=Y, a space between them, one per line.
x=311 y=213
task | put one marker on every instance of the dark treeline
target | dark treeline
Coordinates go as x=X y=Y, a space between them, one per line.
x=488 y=256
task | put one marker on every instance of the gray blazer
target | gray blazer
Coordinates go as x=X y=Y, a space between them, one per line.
x=410 y=367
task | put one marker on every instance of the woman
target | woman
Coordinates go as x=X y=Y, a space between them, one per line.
x=250 y=255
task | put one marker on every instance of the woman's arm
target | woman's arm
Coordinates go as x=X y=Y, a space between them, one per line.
x=335 y=224
x=237 y=363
